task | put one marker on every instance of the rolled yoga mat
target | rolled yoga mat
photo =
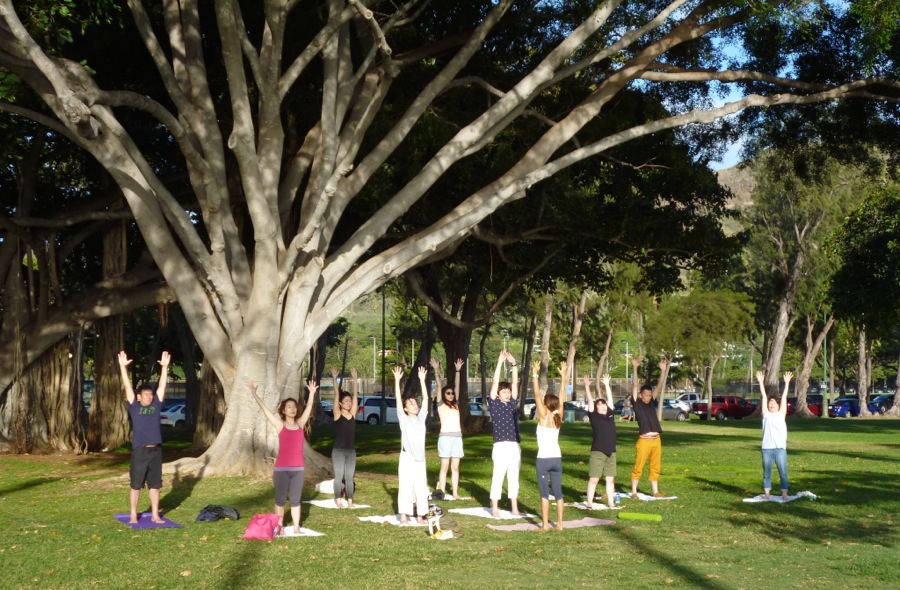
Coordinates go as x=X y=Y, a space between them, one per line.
x=640 y=516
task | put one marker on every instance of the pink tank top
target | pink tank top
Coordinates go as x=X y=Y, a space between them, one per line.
x=290 y=448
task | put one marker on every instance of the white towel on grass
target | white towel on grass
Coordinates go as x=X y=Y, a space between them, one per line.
x=596 y=506
x=392 y=519
x=485 y=512
x=773 y=497
x=330 y=504
x=648 y=497
x=288 y=531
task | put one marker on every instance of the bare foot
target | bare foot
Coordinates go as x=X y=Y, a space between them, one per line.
x=337 y=503
x=349 y=503
x=403 y=520
x=767 y=496
x=559 y=526
x=157 y=519
x=421 y=520
x=516 y=512
x=457 y=497
x=545 y=526
x=134 y=519
x=495 y=513
x=784 y=496
x=590 y=506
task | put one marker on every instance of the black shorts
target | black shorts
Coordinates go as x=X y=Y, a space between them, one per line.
x=146 y=467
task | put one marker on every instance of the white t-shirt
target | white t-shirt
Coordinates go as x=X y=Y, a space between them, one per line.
x=774 y=431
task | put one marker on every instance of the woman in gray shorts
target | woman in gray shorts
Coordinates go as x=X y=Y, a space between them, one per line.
x=603 y=449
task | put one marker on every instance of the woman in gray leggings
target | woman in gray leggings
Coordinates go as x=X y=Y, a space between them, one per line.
x=343 y=454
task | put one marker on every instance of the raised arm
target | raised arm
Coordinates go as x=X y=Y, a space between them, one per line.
x=398 y=394
x=605 y=380
x=763 y=400
x=495 y=382
x=438 y=386
x=563 y=384
x=635 y=385
x=272 y=418
x=423 y=411
x=124 y=361
x=787 y=385
x=539 y=406
x=164 y=360
x=515 y=374
x=354 y=374
x=587 y=393
x=458 y=365
x=336 y=405
x=310 y=402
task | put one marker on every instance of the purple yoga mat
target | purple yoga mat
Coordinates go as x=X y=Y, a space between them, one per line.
x=144 y=522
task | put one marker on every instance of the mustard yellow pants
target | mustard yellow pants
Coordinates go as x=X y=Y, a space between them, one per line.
x=647 y=448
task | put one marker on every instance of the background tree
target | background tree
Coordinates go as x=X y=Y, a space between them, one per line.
x=275 y=225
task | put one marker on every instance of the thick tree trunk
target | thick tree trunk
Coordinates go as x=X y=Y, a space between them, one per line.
x=210 y=409
x=108 y=426
x=863 y=380
x=577 y=322
x=894 y=410
x=59 y=402
x=801 y=408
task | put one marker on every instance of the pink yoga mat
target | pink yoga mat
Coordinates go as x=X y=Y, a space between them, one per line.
x=145 y=522
x=567 y=524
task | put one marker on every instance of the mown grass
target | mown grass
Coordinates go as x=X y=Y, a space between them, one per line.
x=57 y=528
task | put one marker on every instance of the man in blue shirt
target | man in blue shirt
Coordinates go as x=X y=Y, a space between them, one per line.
x=146 y=455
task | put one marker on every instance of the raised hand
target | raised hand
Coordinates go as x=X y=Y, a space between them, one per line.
x=124 y=361
x=761 y=376
x=605 y=379
x=354 y=373
x=334 y=375
x=587 y=381
x=398 y=373
x=423 y=372
x=459 y=364
x=535 y=368
x=788 y=375
x=312 y=387
x=164 y=359
x=435 y=364
x=563 y=367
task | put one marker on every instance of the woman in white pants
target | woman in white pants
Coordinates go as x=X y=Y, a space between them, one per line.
x=413 y=489
x=507 y=455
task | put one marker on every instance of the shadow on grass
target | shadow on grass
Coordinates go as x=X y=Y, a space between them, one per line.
x=691 y=576
x=181 y=488
x=27 y=484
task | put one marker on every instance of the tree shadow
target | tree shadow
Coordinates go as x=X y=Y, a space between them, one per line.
x=27 y=484
x=182 y=488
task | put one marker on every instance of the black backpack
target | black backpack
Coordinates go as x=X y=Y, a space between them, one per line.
x=214 y=512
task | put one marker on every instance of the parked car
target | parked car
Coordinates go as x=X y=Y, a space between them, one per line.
x=475 y=409
x=369 y=410
x=580 y=414
x=723 y=407
x=814 y=402
x=528 y=407
x=673 y=410
x=174 y=416
x=881 y=403
x=678 y=403
x=690 y=398
x=844 y=407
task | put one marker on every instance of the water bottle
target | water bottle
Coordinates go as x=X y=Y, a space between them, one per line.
x=617 y=497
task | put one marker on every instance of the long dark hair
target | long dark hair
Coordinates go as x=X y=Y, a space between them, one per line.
x=552 y=403
x=454 y=405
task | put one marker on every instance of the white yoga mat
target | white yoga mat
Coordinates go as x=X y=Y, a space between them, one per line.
x=485 y=512
x=330 y=504
x=288 y=531
x=596 y=506
x=392 y=519
x=773 y=497
x=648 y=497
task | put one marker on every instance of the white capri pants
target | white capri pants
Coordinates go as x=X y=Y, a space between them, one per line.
x=507 y=457
x=413 y=486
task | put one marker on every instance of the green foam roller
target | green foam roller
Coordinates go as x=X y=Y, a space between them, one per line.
x=639 y=516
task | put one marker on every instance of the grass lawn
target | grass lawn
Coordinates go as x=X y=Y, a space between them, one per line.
x=57 y=528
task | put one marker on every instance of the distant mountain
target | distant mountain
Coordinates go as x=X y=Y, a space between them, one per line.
x=741 y=183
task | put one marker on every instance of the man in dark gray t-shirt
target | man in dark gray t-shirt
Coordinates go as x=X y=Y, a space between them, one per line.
x=146 y=455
